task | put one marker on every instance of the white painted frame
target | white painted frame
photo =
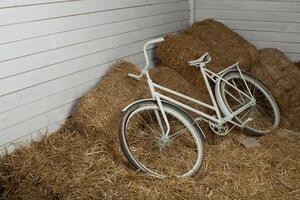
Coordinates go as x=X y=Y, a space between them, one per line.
x=207 y=74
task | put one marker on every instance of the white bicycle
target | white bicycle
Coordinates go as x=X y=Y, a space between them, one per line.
x=158 y=136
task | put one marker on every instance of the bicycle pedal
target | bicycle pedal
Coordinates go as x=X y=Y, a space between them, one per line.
x=246 y=122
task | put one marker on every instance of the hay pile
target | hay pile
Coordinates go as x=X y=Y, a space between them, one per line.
x=282 y=78
x=225 y=47
x=69 y=165
x=99 y=110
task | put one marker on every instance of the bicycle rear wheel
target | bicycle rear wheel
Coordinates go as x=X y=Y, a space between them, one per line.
x=265 y=112
x=141 y=141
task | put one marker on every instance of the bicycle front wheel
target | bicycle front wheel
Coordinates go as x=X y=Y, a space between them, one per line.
x=265 y=112
x=141 y=141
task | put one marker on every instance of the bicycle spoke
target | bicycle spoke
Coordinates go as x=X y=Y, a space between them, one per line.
x=143 y=132
x=238 y=91
x=175 y=135
x=147 y=124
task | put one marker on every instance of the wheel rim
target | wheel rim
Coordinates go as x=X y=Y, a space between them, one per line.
x=179 y=156
x=263 y=112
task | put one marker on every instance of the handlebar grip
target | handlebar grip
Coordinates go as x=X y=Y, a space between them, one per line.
x=157 y=40
x=208 y=59
x=136 y=77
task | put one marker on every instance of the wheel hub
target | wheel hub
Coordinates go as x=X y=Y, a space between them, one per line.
x=253 y=102
x=163 y=141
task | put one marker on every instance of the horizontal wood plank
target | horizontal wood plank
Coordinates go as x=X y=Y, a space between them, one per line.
x=247 y=15
x=259 y=25
x=67 y=8
x=62 y=24
x=282 y=6
x=29 y=79
x=271 y=23
x=18 y=3
x=64 y=39
x=270 y=36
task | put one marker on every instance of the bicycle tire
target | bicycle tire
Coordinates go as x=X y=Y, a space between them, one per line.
x=136 y=161
x=257 y=86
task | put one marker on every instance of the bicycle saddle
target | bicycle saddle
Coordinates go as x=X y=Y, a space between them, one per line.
x=205 y=58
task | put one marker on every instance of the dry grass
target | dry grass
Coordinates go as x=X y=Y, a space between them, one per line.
x=68 y=165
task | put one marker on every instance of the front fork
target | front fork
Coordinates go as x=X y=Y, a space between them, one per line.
x=165 y=133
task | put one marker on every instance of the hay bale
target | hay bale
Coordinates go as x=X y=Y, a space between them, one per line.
x=281 y=77
x=226 y=44
x=102 y=105
x=171 y=79
x=99 y=110
x=177 y=50
x=225 y=47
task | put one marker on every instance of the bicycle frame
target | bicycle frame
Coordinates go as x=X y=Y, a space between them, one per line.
x=207 y=74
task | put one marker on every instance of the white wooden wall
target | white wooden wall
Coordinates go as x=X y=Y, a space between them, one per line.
x=53 y=51
x=265 y=23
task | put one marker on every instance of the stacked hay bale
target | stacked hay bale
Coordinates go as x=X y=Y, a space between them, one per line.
x=177 y=50
x=226 y=44
x=282 y=78
x=173 y=80
x=99 y=110
x=225 y=47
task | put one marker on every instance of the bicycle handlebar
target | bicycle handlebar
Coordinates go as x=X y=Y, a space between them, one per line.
x=154 y=41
